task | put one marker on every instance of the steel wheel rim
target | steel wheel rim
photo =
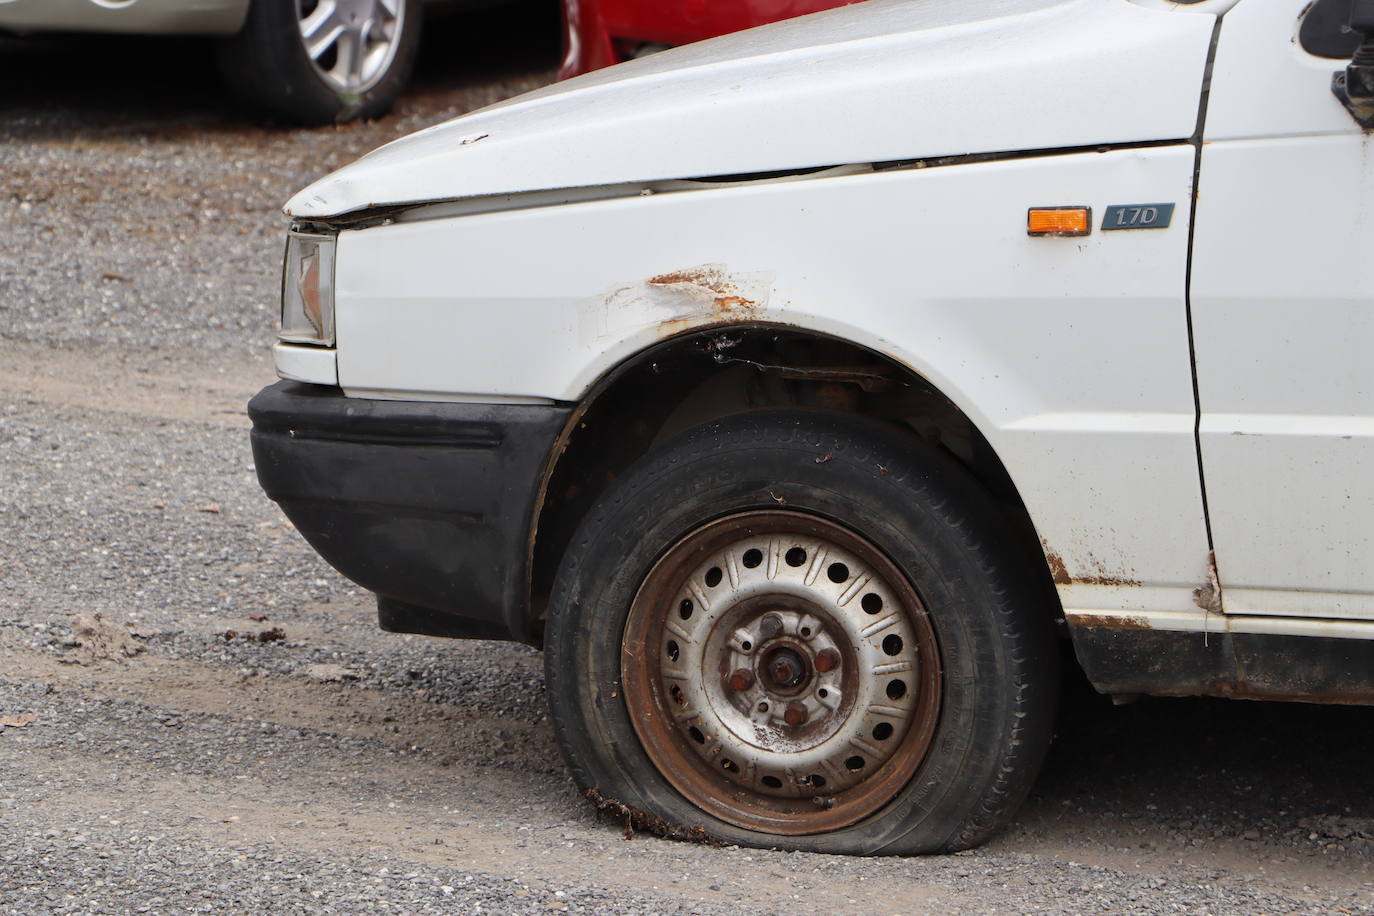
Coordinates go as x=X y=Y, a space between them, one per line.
x=350 y=43
x=751 y=719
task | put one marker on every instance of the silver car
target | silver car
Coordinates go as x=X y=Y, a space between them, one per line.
x=307 y=61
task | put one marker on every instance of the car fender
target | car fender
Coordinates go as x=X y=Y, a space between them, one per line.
x=1070 y=355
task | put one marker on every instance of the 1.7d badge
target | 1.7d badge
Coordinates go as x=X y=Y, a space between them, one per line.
x=1137 y=216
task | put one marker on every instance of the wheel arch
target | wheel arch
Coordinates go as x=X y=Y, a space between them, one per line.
x=707 y=374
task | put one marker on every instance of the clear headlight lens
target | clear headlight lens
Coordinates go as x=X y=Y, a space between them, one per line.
x=307 y=289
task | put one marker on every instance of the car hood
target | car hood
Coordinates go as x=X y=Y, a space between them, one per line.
x=878 y=81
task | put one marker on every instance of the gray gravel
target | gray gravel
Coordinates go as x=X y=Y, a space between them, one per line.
x=146 y=214
x=328 y=767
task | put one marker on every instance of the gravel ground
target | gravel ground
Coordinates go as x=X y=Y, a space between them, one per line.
x=205 y=717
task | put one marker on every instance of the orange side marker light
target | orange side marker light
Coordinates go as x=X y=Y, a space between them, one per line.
x=1057 y=222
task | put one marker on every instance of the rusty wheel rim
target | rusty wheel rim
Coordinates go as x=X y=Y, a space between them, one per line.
x=781 y=673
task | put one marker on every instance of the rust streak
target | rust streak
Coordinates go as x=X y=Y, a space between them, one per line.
x=734 y=302
x=1124 y=622
x=1117 y=581
x=726 y=298
x=697 y=276
x=1058 y=571
x=1208 y=595
x=674 y=326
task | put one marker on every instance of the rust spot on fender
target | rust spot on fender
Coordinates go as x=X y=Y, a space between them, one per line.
x=709 y=277
x=712 y=287
x=674 y=326
x=1059 y=572
x=694 y=298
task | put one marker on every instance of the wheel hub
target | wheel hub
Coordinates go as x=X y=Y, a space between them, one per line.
x=794 y=669
x=356 y=11
x=786 y=668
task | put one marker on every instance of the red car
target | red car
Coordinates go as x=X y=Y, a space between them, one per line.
x=598 y=33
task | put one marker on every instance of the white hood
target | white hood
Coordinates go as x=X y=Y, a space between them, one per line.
x=879 y=81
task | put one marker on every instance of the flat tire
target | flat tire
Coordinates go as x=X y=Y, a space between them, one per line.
x=803 y=631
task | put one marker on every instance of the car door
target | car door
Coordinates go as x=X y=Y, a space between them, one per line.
x=1282 y=298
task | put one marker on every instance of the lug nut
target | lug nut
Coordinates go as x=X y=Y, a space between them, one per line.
x=741 y=679
x=770 y=626
x=795 y=714
x=827 y=660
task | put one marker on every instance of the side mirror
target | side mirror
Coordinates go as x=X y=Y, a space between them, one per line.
x=1355 y=87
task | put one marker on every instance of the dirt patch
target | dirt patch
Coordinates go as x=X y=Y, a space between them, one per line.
x=330 y=674
x=98 y=639
x=155 y=385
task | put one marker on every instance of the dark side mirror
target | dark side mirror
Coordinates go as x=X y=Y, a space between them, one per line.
x=1355 y=86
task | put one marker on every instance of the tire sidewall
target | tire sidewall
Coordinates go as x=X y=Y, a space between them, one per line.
x=267 y=63
x=851 y=473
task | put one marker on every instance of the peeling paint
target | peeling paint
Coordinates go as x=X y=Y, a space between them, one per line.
x=698 y=284
x=677 y=301
x=711 y=276
x=1208 y=595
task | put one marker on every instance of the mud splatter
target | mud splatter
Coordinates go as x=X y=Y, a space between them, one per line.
x=275 y=634
x=637 y=821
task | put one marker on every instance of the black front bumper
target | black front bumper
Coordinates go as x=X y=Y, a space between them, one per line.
x=430 y=505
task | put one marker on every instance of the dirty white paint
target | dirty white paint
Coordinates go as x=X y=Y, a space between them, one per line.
x=300 y=363
x=1283 y=317
x=879 y=81
x=1071 y=355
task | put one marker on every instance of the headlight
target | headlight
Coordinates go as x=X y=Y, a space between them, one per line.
x=307 y=289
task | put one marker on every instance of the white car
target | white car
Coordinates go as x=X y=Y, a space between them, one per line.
x=806 y=392
x=308 y=61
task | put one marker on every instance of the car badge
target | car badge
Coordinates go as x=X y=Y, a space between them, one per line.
x=1137 y=216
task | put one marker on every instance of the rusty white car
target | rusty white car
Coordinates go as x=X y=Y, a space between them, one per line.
x=807 y=393
x=307 y=61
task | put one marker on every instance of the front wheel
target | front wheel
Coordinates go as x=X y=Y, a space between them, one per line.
x=803 y=631
x=322 y=61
